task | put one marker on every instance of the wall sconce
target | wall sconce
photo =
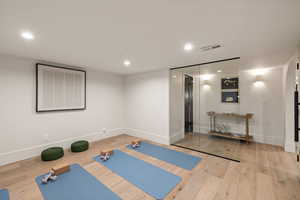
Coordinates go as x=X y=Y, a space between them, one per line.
x=206 y=77
x=259 y=81
x=259 y=71
x=206 y=84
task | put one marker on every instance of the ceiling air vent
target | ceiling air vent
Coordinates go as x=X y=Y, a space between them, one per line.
x=210 y=47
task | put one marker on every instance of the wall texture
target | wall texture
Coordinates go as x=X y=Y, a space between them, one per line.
x=24 y=133
x=147 y=105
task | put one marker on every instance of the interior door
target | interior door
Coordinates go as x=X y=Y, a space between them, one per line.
x=188 y=103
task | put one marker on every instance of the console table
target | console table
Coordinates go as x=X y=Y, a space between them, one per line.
x=212 y=130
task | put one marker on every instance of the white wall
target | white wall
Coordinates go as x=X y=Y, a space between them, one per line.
x=147 y=105
x=23 y=131
x=266 y=102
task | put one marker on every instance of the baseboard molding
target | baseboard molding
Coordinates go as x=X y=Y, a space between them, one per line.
x=267 y=139
x=290 y=147
x=258 y=138
x=176 y=137
x=147 y=135
x=26 y=153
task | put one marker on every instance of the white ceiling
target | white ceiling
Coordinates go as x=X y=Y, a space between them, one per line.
x=151 y=34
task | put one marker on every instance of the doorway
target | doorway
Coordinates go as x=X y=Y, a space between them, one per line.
x=188 y=104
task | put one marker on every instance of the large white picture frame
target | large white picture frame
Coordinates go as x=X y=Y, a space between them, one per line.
x=59 y=88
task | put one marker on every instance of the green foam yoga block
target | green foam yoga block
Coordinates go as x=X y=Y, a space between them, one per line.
x=52 y=153
x=80 y=146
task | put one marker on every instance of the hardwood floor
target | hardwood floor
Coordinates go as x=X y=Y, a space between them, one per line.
x=211 y=144
x=265 y=173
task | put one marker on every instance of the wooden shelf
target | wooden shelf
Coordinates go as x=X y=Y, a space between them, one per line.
x=232 y=136
x=246 y=118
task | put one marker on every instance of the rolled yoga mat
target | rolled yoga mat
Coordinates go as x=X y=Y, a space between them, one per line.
x=77 y=184
x=149 y=178
x=177 y=158
x=4 y=194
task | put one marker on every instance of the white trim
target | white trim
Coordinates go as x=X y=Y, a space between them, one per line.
x=176 y=136
x=26 y=153
x=147 y=135
x=267 y=139
x=257 y=138
x=290 y=146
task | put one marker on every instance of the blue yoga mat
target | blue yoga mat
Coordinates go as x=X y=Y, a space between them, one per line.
x=177 y=158
x=77 y=184
x=149 y=178
x=4 y=194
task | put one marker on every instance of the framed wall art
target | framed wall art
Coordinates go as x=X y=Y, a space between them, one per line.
x=230 y=90
x=59 y=88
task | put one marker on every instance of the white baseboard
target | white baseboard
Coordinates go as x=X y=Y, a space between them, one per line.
x=290 y=147
x=257 y=138
x=176 y=136
x=147 y=135
x=26 y=153
x=267 y=139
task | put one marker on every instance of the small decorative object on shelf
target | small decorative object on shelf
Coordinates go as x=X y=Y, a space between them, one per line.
x=223 y=131
x=221 y=128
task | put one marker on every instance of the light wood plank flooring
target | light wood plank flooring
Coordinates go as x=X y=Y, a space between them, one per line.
x=212 y=144
x=265 y=173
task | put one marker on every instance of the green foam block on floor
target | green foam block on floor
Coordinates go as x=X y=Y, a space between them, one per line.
x=80 y=146
x=52 y=153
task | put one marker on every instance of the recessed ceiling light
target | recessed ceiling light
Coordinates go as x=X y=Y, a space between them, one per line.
x=127 y=63
x=27 y=35
x=188 y=46
x=219 y=71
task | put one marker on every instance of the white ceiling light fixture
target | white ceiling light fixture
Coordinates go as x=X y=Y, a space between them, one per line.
x=27 y=35
x=219 y=71
x=188 y=46
x=127 y=63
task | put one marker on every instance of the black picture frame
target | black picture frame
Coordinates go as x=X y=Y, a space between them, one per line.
x=37 y=88
x=230 y=97
x=230 y=83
